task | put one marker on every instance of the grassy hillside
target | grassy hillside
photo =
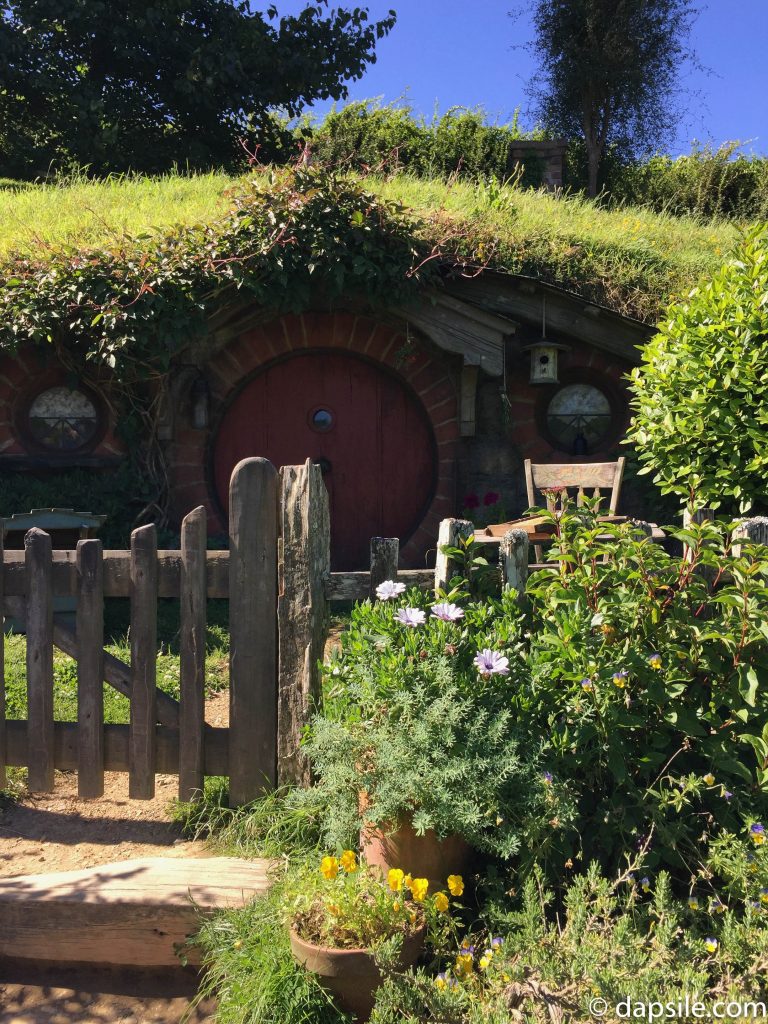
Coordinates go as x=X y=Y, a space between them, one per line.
x=631 y=259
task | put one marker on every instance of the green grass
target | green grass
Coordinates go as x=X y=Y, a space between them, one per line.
x=90 y=213
x=116 y=706
x=633 y=260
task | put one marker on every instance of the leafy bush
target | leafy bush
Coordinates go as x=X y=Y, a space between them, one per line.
x=647 y=676
x=705 y=183
x=613 y=941
x=410 y=722
x=701 y=416
x=366 y=135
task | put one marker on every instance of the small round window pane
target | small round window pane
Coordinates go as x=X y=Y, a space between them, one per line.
x=63 y=419
x=322 y=420
x=579 y=415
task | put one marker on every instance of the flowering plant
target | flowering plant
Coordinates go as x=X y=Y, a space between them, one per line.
x=343 y=903
x=419 y=719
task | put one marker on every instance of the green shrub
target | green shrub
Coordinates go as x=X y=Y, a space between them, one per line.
x=611 y=940
x=647 y=676
x=701 y=415
x=366 y=135
x=705 y=183
x=411 y=722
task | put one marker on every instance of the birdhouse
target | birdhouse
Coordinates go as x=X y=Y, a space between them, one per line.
x=544 y=361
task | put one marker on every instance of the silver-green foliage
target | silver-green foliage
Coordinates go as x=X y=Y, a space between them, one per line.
x=700 y=395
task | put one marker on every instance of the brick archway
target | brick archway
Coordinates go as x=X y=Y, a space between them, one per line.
x=256 y=348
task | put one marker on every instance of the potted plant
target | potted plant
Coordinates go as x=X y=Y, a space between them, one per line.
x=419 y=751
x=341 y=915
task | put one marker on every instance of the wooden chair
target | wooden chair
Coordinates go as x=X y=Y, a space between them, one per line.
x=555 y=480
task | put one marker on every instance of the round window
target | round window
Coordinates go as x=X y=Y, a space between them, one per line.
x=579 y=418
x=322 y=420
x=62 y=419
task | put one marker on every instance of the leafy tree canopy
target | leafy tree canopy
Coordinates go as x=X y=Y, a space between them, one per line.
x=146 y=86
x=609 y=69
x=701 y=394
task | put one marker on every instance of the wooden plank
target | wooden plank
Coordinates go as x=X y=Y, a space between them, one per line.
x=355 y=586
x=385 y=554
x=2 y=677
x=576 y=474
x=302 y=610
x=117 y=573
x=116 y=758
x=513 y=559
x=128 y=913
x=449 y=534
x=39 y=619
x=143 y=747
x=194 y=533
x=467 y=424
x=116 y=672
x=90 y=670
x=253 y=662
x=754 y=530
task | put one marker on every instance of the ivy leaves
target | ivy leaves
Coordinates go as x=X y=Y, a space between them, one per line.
x=288 y=238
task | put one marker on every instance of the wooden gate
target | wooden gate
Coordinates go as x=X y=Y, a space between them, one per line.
x=163 y=735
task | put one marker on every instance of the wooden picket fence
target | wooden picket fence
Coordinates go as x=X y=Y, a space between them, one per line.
x=163 y=735
x=276 y=576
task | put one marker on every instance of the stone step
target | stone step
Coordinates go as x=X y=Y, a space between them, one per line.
x=132 y=913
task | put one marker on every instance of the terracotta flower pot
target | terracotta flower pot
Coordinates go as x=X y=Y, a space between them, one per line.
x=425 y=856
x=351 y=975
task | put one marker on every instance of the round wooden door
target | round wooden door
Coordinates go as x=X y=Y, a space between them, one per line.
x=367 y=431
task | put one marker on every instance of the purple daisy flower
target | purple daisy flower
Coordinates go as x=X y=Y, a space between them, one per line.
x=410 y=617
x=447 y=612
x=491 y=663
x=389 y=589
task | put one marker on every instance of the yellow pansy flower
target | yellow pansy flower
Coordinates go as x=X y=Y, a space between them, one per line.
x=419 y=887
x=348 y=861
x=441 y=902
x=395 y=878
x=456 y=885
x=329 y=867
x=407 y=880
x=463 y=965
x=484 y=962
x=709 y=778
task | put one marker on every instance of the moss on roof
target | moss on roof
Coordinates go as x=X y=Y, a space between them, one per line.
x=632 y=260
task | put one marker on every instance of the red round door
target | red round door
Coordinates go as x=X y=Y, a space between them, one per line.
x=368 y=432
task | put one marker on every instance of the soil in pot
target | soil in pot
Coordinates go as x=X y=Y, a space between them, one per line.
x=426 y=856
x=351 y=975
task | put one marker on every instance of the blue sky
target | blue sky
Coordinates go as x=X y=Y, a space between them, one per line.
x=461 y=52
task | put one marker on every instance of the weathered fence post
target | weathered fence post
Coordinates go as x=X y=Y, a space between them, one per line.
x=253 y=526
x=451 y=531
x=3 y=746
x=39 y=615
x=754 y=529
x=90 y=669
x=142 y=735
x=385 y=552
x=513 y=559
x=193 y=594
x=302 y=609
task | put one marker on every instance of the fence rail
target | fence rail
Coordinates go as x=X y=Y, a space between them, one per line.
x=163 y=735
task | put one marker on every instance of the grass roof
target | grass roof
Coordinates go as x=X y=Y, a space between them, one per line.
x=631 y=259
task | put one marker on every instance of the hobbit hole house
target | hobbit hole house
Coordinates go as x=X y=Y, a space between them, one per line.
x=412 y=413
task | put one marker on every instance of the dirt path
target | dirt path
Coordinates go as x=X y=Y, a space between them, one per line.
x=69 y=996
x=59 y=832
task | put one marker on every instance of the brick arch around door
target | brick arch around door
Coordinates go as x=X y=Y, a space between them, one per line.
x=332 y=387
